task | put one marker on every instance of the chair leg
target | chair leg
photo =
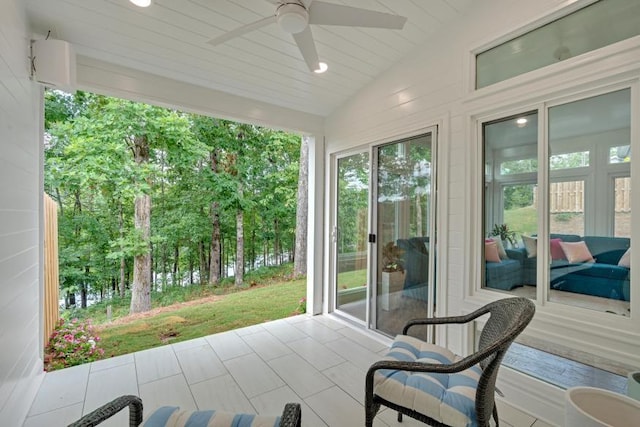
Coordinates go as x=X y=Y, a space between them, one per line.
x=370 y=413
x=399 y=417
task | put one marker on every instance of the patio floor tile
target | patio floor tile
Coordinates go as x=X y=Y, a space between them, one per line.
x=284 y=331
x=110 y=382
x=318 y=362
x=200 y=363
x=169 y=391
x=64 y=416
x=301 y=376
x=156 y=363
x=273 y=402
x=316 y=353
x=222 y=393
x=266 y=345
x=253 y=375
x=228 y=345
x=60 y=389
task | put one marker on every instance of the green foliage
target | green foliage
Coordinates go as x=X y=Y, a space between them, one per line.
x=302 y=306
x=504 y=232
x=392 y=258
x=72 y=343
x=353 y=196
x=518 y=196
x=565 y=216
x=91 y=172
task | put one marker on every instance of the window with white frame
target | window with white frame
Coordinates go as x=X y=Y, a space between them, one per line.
x=593 y=26
x=578 y=187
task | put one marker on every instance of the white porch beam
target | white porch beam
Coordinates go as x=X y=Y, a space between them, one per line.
x=109 y=79
x=315 y=225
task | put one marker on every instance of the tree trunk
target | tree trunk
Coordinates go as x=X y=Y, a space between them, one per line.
x=214 y=265
x=123 y=277
x=176 y=265
x=164 y=259
x=276 y=242
x=190 y=268
x=141 y=287
x=300 y=255
x=83 y=289
x=203 y=263
x=123 y=263
x=239 y=278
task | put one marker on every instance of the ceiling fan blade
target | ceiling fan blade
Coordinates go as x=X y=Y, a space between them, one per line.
x=243 y=30
x=322 y=13
x=307 y=47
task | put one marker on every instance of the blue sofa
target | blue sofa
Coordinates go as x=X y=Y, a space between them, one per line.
x=507 y=274
x=415 y=260
x=602 y=278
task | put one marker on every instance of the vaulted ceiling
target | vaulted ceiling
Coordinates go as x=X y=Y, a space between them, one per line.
x=170 y=39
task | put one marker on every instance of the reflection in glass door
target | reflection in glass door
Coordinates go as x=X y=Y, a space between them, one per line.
x=405 y=241
x=350 y=234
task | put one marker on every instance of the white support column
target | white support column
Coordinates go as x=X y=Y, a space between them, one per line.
x=315 y=225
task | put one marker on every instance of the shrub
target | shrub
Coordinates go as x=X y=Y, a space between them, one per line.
x=302 y=306
x=72 y=343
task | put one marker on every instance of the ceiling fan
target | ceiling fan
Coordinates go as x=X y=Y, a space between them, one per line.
x=294 y=17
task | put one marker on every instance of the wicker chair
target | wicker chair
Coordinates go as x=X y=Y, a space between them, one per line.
x=291 y=415
x=416 y=376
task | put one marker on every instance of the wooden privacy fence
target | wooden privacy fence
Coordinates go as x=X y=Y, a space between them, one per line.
x=569 y=196
x=51 y=282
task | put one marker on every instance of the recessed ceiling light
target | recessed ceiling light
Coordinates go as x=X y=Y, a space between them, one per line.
x=141 y=3
x=323 y=67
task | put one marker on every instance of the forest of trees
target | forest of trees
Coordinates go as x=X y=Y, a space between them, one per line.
x=151 y=197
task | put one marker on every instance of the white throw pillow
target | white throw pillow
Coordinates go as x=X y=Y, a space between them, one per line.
x=625 y=261
x=531 y=245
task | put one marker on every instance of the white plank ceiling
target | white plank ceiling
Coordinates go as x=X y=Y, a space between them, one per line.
x=170 y=39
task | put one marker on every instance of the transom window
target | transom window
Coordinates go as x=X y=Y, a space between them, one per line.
x=597 y=25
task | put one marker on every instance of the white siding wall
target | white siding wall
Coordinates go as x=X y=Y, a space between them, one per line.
x=20 y=198
x=432 y=87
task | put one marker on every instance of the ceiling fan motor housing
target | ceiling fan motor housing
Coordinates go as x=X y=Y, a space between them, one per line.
x=292 y=17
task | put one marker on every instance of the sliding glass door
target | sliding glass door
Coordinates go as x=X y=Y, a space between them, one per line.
x=350 y=234
x=404 y=232
x=383 y=234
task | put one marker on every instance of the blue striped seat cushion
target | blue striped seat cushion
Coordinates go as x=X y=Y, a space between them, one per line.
x=447 y=398
x=172 y=416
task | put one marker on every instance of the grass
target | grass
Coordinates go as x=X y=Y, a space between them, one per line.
x=174 y=294
x=230 y=311
x=522 y=220
x=352 y=279
x=197 y=311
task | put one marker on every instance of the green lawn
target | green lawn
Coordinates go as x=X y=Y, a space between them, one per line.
x=195 y=311
x=235 y=310
x=522 y=220
x=352 y=279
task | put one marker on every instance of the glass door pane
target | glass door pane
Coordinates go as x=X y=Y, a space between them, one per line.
x=351 y=234
x=404 y=221
x=590 y=188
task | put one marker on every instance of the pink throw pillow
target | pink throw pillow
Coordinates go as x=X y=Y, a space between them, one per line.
x=556 y=249
x=491 y=252
x=576 y=252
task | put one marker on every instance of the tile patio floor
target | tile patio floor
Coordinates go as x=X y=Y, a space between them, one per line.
x=318 y=361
